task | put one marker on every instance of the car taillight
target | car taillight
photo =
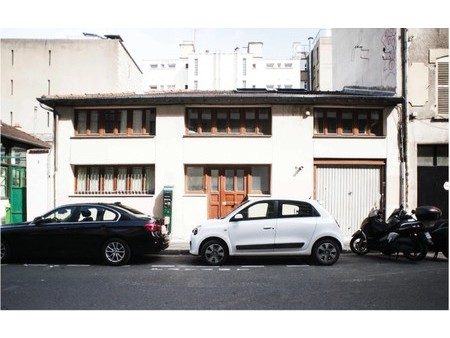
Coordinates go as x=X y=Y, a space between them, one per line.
x=153 y=227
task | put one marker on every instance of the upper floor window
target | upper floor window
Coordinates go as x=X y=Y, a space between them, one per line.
x=120 y=122
x=196 y=67
x=348 y=122
x=442 y=86
x=228 y=121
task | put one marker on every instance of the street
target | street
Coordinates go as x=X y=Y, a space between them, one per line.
x=181 y=282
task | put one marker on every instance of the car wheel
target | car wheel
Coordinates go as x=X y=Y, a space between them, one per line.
x=5 y=252
x=214 y=252
x=326 y=252
x=116 y=252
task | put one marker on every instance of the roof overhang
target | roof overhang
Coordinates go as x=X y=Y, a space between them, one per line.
x=21 y=139
x=236 y=97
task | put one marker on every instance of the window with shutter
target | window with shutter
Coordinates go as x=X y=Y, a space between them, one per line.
x=442 y=86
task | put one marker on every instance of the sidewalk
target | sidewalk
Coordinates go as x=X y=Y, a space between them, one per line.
x=182 y=248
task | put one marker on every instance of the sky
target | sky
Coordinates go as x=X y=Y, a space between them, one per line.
x=154 y=43
x=154 y=29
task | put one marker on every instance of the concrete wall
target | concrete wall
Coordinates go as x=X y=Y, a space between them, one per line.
x=365 y=57
x=42 y=67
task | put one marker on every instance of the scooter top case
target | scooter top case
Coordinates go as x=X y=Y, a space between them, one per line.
x=428 y=213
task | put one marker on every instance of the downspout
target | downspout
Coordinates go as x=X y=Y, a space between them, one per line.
x=310 y=85
x=404 y=121
x=55 y=148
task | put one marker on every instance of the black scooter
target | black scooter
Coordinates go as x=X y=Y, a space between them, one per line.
x=401 y=233
x=438 y=228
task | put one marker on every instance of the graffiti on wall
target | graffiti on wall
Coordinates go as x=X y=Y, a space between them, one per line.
x=389 y=42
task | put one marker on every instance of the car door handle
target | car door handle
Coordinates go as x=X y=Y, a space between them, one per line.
x=268 y=228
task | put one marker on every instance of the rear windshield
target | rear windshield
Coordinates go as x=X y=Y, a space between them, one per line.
x=130 y=210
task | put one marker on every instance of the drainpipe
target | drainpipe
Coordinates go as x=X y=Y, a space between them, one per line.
x=55 y=148
x=404 y=121
x=310 y=86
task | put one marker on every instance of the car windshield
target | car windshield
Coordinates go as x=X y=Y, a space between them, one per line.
x=245 y=202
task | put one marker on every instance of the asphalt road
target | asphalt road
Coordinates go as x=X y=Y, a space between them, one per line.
x=372 y=282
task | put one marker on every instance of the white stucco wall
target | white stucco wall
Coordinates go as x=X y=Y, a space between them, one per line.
x=38 y=192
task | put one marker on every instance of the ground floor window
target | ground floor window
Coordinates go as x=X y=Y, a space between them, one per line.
x=115 y=179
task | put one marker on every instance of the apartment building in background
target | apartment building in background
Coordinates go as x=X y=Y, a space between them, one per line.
x=244 y=67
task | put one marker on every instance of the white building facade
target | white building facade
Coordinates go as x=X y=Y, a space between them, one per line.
x=214 y=149
x=243 y=68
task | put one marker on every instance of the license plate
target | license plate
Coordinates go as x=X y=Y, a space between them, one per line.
x=427 y=235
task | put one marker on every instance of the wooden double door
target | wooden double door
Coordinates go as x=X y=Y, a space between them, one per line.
x=227 y=187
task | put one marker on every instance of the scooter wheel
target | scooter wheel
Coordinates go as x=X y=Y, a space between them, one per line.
x=418 y=253
x=359 y=246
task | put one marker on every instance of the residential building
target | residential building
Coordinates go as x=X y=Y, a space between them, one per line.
x=245 y=67
x=31 y=68
x=213 y=149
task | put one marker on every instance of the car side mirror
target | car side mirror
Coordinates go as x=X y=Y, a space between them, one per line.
x=238 y=217
x=38 y=220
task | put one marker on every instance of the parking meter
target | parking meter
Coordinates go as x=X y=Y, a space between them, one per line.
x=167 y=207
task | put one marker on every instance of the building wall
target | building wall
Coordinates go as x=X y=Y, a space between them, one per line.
x=322 y=67
x=366 y=58
x=31 y=68
x=290 y=152
x=38 y=174
x=426 y=125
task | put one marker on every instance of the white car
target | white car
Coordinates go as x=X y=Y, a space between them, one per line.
x=270 y=226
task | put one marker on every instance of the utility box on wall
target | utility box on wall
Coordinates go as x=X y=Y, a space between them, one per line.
x=167 y=207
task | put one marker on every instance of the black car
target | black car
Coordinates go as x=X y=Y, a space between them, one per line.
x=113 y=231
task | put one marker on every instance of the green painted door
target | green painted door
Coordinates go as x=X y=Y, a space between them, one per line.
x=18 y=194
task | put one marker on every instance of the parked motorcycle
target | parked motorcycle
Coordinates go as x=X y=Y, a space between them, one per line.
x=438 y=228
x=401 y=233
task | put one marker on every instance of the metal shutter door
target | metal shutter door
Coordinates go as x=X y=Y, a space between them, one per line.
x=348 y=193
